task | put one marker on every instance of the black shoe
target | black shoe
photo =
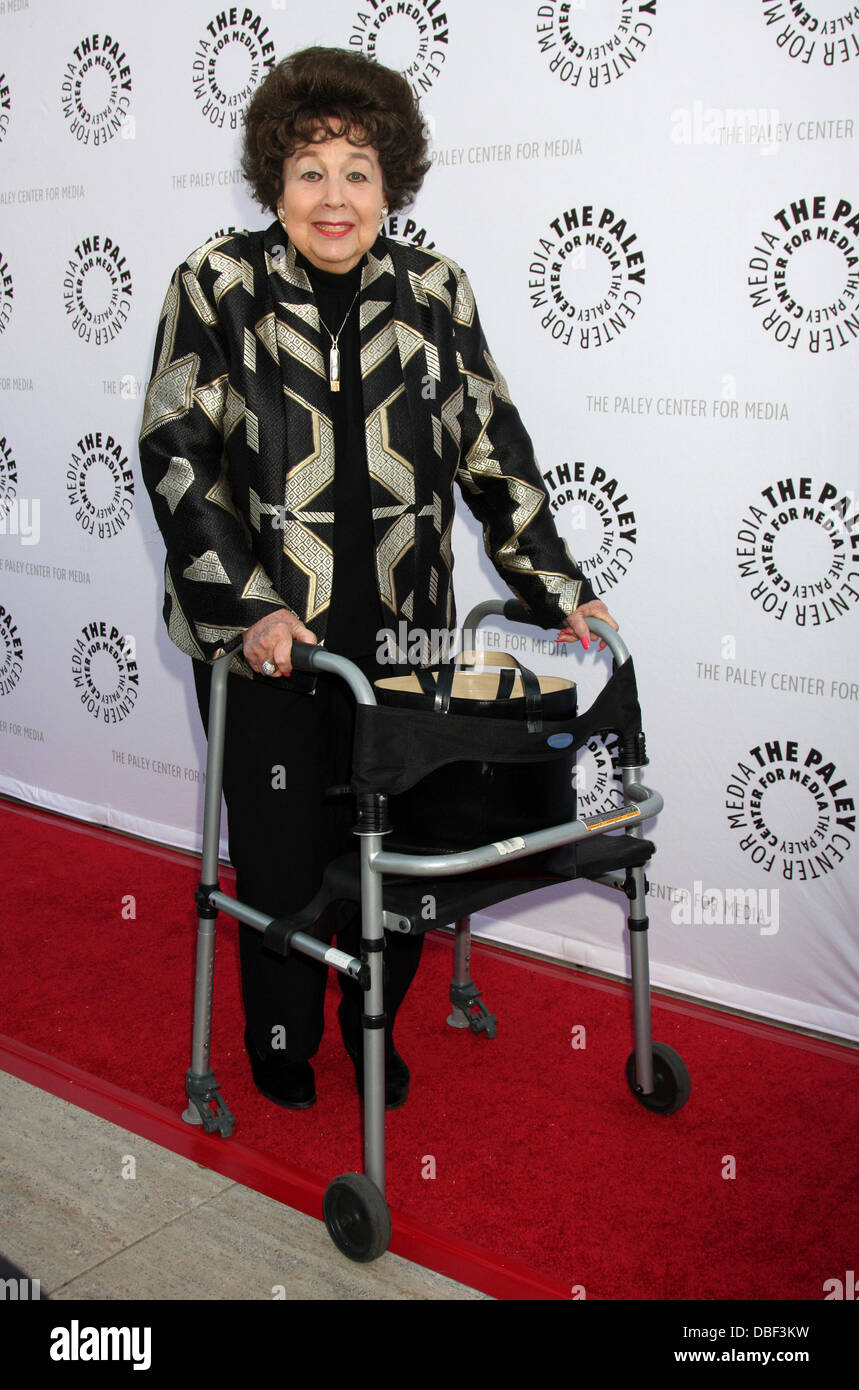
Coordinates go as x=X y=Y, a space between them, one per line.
x=396 y=1072
x=290 y=1084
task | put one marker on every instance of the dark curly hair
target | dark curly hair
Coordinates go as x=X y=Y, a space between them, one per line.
x=341 y=93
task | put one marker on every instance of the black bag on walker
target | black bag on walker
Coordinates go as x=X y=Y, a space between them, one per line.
x=505 y=743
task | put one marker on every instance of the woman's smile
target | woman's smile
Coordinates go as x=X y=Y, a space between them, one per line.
x=333 y=228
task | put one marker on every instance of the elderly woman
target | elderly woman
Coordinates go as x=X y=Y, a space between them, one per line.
x=317 y=390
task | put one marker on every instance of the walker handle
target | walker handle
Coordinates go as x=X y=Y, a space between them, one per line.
x=516 y=612
x=302 y=655
x=307 y=656
x=302 y=652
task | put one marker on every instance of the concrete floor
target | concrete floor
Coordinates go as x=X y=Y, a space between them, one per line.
x=73 y=1217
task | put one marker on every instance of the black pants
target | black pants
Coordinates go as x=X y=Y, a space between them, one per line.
x=281 y=752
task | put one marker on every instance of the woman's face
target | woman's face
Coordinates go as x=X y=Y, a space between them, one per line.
x=332 y=202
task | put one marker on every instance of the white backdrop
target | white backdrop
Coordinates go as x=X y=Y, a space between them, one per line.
x=687 y=369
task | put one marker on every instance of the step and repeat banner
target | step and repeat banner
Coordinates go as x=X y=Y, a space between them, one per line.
x=658 y=207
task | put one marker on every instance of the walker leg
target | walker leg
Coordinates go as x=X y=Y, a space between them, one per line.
x=201 y=1086
x=469 y=1010
x=356 y=1214
x=202 y=1025
x=373 y=1020
x=461 y=967
x=657 y=1076
x=638 y=925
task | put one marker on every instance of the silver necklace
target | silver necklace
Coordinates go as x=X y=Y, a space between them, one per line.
x=334 y=354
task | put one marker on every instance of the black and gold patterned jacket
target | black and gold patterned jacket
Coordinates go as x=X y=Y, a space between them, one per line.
x=237 y=449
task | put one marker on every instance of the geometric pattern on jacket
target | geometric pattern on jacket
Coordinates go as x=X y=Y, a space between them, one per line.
x=237 y=454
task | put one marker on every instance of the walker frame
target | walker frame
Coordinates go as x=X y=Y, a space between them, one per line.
x=356 y=1213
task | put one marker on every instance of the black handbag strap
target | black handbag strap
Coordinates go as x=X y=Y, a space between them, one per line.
x=426 y=680
x=443 y=688
x=506 y=682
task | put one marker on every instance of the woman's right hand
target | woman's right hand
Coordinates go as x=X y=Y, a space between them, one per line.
x=271 y=640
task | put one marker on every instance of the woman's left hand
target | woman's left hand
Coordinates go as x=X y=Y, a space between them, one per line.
x=575 y=629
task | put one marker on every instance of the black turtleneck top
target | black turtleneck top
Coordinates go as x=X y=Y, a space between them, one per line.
x=355 y=617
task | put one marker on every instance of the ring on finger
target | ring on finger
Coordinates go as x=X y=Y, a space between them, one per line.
x=268 y=668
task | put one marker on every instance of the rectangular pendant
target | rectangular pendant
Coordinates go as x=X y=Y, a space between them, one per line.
x=334 y=369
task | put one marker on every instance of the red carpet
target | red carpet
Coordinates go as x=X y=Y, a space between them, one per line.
x=539 y=1152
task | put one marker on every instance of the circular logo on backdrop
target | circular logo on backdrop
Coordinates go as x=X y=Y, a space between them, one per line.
x=792 y=810
x=411 y=37
x=822 y=34
x=11 y=653
x=598 y=779
x=595 y=517
x=798 y=549
x=595 y=44
x=97 y=290
x=407 y=229
x=104 y=672
x=96 y=90
x=8 y=478
x=100 y=485
x=5 y=106
x=222 y=232
x=7 y=293
x=230 y=61
x=804 y=274
x=586 y=276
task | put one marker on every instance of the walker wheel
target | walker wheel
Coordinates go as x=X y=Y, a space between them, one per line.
x=671 y=1084
x=357 y=1217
